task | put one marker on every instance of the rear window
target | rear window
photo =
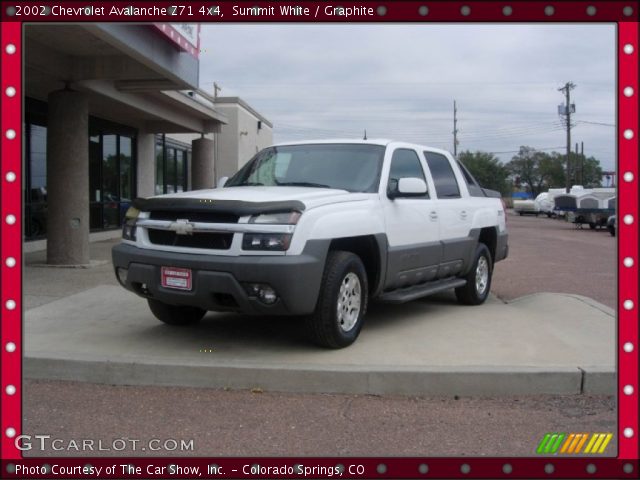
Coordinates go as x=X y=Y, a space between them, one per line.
x=474 y=188
x=443 y=176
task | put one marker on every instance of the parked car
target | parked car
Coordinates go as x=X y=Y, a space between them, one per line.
x=316 y=229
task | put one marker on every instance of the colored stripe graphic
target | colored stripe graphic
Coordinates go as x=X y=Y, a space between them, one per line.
x=543 y=443
x=556 y=445
x=582 y=442
x=605 y=442
x=596 y=446
x=547 y=448
x=592 y=440
x=577 y=439
x=567 y=442
x=572 y=443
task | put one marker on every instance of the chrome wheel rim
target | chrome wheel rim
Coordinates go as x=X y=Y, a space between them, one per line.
x=349 y=301
x=482 y=275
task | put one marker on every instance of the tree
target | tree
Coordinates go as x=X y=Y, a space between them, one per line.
x=532 y=167
x=487 y=169
x=585 y=171
x=540 y=171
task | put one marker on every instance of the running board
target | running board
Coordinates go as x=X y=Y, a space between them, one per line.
x=403 y=295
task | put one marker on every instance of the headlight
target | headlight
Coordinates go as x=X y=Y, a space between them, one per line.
x=132 y=212
x=283 y=218
x=266 y=241
x=129 y=225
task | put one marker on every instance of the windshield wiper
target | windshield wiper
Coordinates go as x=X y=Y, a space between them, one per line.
x=248 y=184
x=302 y=184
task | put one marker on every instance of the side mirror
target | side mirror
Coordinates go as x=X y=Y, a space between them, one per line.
x=408 y=187
x=412 y=186
x=222 y=182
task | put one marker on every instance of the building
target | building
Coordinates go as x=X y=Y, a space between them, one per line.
x=245 y=133
x=102 y=102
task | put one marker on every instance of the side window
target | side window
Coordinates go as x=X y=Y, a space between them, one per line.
x=443 y=176
x=474 y=188
x=404 y=163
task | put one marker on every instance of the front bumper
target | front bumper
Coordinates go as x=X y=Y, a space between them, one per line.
x=216 y=280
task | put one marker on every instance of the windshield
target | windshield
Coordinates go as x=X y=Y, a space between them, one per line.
x=355 y=168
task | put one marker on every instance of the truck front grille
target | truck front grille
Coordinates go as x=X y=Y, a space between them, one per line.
x=198 y=216
x=209 y=240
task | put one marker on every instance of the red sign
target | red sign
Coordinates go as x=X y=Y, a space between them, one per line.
x=185 y=35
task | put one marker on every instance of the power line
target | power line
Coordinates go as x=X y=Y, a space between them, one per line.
x=537 y=149
x=596 y=123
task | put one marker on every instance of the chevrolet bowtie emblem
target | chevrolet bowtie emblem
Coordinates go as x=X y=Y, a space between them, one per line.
x=182 y=226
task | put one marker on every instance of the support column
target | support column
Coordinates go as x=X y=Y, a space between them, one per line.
x=202 y=164
x=68 y=178
x=146 y=172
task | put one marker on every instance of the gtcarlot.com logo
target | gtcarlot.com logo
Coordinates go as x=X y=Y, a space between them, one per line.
x=46 y=442
x=574 y=443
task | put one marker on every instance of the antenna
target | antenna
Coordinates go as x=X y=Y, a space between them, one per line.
x=365 y=134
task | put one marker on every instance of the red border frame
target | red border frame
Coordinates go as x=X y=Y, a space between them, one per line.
x=440 y=11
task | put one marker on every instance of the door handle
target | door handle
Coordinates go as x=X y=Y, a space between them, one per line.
x=463 y=214
x=433 y=216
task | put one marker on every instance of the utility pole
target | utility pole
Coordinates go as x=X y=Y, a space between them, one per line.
x=577 y=173
x=455 y=130
x=567 y=111
x=581 y=163
x=216 y=89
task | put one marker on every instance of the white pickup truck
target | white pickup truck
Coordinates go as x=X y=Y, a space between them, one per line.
x=316 y=229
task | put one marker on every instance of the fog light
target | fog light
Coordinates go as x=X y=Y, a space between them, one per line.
x=122 y=275
x=264 y=293
x=267 y=295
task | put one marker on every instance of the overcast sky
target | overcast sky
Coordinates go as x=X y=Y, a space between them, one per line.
x=399 y=82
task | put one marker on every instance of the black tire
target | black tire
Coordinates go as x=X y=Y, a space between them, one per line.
x=175 y=314
x=324 y=326
x=612 y=231
x=471 y=294
x=592 y=225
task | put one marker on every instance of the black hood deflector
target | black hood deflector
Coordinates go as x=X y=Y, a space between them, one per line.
x=236 y=207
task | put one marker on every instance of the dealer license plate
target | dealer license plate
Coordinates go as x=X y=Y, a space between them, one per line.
x=178 y=278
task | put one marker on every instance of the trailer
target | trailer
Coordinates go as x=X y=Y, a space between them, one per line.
x=586 y=208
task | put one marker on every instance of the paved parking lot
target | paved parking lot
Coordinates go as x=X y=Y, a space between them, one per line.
x=551 y=255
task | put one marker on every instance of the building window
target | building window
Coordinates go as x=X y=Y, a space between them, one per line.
x=36 y=189
x=112 y=182
x=171 y=166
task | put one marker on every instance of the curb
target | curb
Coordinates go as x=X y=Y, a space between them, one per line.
x=463 y=381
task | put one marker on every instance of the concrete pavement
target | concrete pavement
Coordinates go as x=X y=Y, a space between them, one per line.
x=542 y=343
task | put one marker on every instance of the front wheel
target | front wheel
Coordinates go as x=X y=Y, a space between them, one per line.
x=175 y=314
x=478 y=279
x=342 y=303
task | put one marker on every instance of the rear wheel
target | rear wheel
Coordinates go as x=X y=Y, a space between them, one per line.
x=175 y=314
x=342 y=304
x=612 y=230
x=478 y=279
